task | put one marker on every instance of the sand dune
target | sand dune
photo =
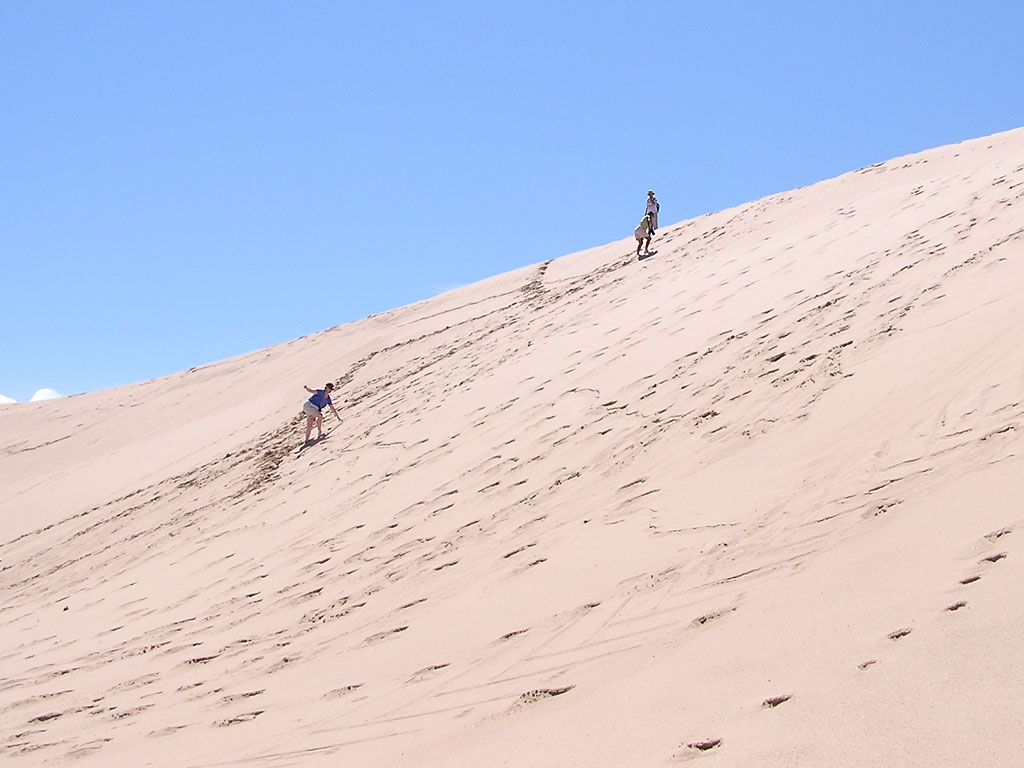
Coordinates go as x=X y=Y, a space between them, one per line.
x=753 y=500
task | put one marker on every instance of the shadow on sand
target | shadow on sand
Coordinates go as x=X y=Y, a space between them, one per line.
x=312 y=442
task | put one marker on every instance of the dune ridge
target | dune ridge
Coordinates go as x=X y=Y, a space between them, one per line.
x=752 y=500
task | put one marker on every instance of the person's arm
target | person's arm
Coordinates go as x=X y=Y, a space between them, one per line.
x=335 y=412
x=311 y=391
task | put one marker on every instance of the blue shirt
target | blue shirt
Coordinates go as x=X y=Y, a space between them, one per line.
x=320 y=398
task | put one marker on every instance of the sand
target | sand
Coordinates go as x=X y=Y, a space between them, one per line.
x=752 y=500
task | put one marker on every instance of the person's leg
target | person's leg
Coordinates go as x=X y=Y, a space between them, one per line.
x=320 y=424
x=310 y=418
x=639 y=242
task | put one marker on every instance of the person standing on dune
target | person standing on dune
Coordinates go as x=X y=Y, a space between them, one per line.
x=652 y=208
x=314 y=409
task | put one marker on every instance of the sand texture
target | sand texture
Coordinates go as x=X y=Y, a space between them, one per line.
x=753 y=500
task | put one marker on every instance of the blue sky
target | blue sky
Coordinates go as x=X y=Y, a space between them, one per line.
x=181 y=182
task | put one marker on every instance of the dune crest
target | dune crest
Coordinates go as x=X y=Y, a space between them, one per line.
x=750 y=500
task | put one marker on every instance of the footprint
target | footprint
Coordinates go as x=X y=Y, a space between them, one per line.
x=993 y=558
x=383 y=635
x=343 y=691
x=712 y=616
x=956 y=606
x=774 y=701
x=130 y=712
x=426 y=672
x=160 y=732
x=866 y=664
x=236 y=696
x=201 y=659
x=998 y=534
x=899 y=633
x=414 y=602
x=531 y=697
x=242 y=718
x=45 y=718
x=969 y=580
x=704 y=746
x=517 y=551
x=510 y=635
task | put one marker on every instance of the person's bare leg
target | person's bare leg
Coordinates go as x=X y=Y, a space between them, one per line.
x=320 y=425
x=309 y=425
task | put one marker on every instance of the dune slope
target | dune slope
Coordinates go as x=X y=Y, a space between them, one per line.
x=752 y=500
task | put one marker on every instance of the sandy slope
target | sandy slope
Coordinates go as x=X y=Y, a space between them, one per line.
x=750 y=501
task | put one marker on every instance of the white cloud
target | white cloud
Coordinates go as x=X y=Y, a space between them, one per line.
x=5 y=400
x=45 y=394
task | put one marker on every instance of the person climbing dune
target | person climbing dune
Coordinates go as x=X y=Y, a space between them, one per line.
x=643 y=233
x=314 y=409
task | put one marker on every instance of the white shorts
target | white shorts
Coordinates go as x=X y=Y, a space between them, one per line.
x=309 y=409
